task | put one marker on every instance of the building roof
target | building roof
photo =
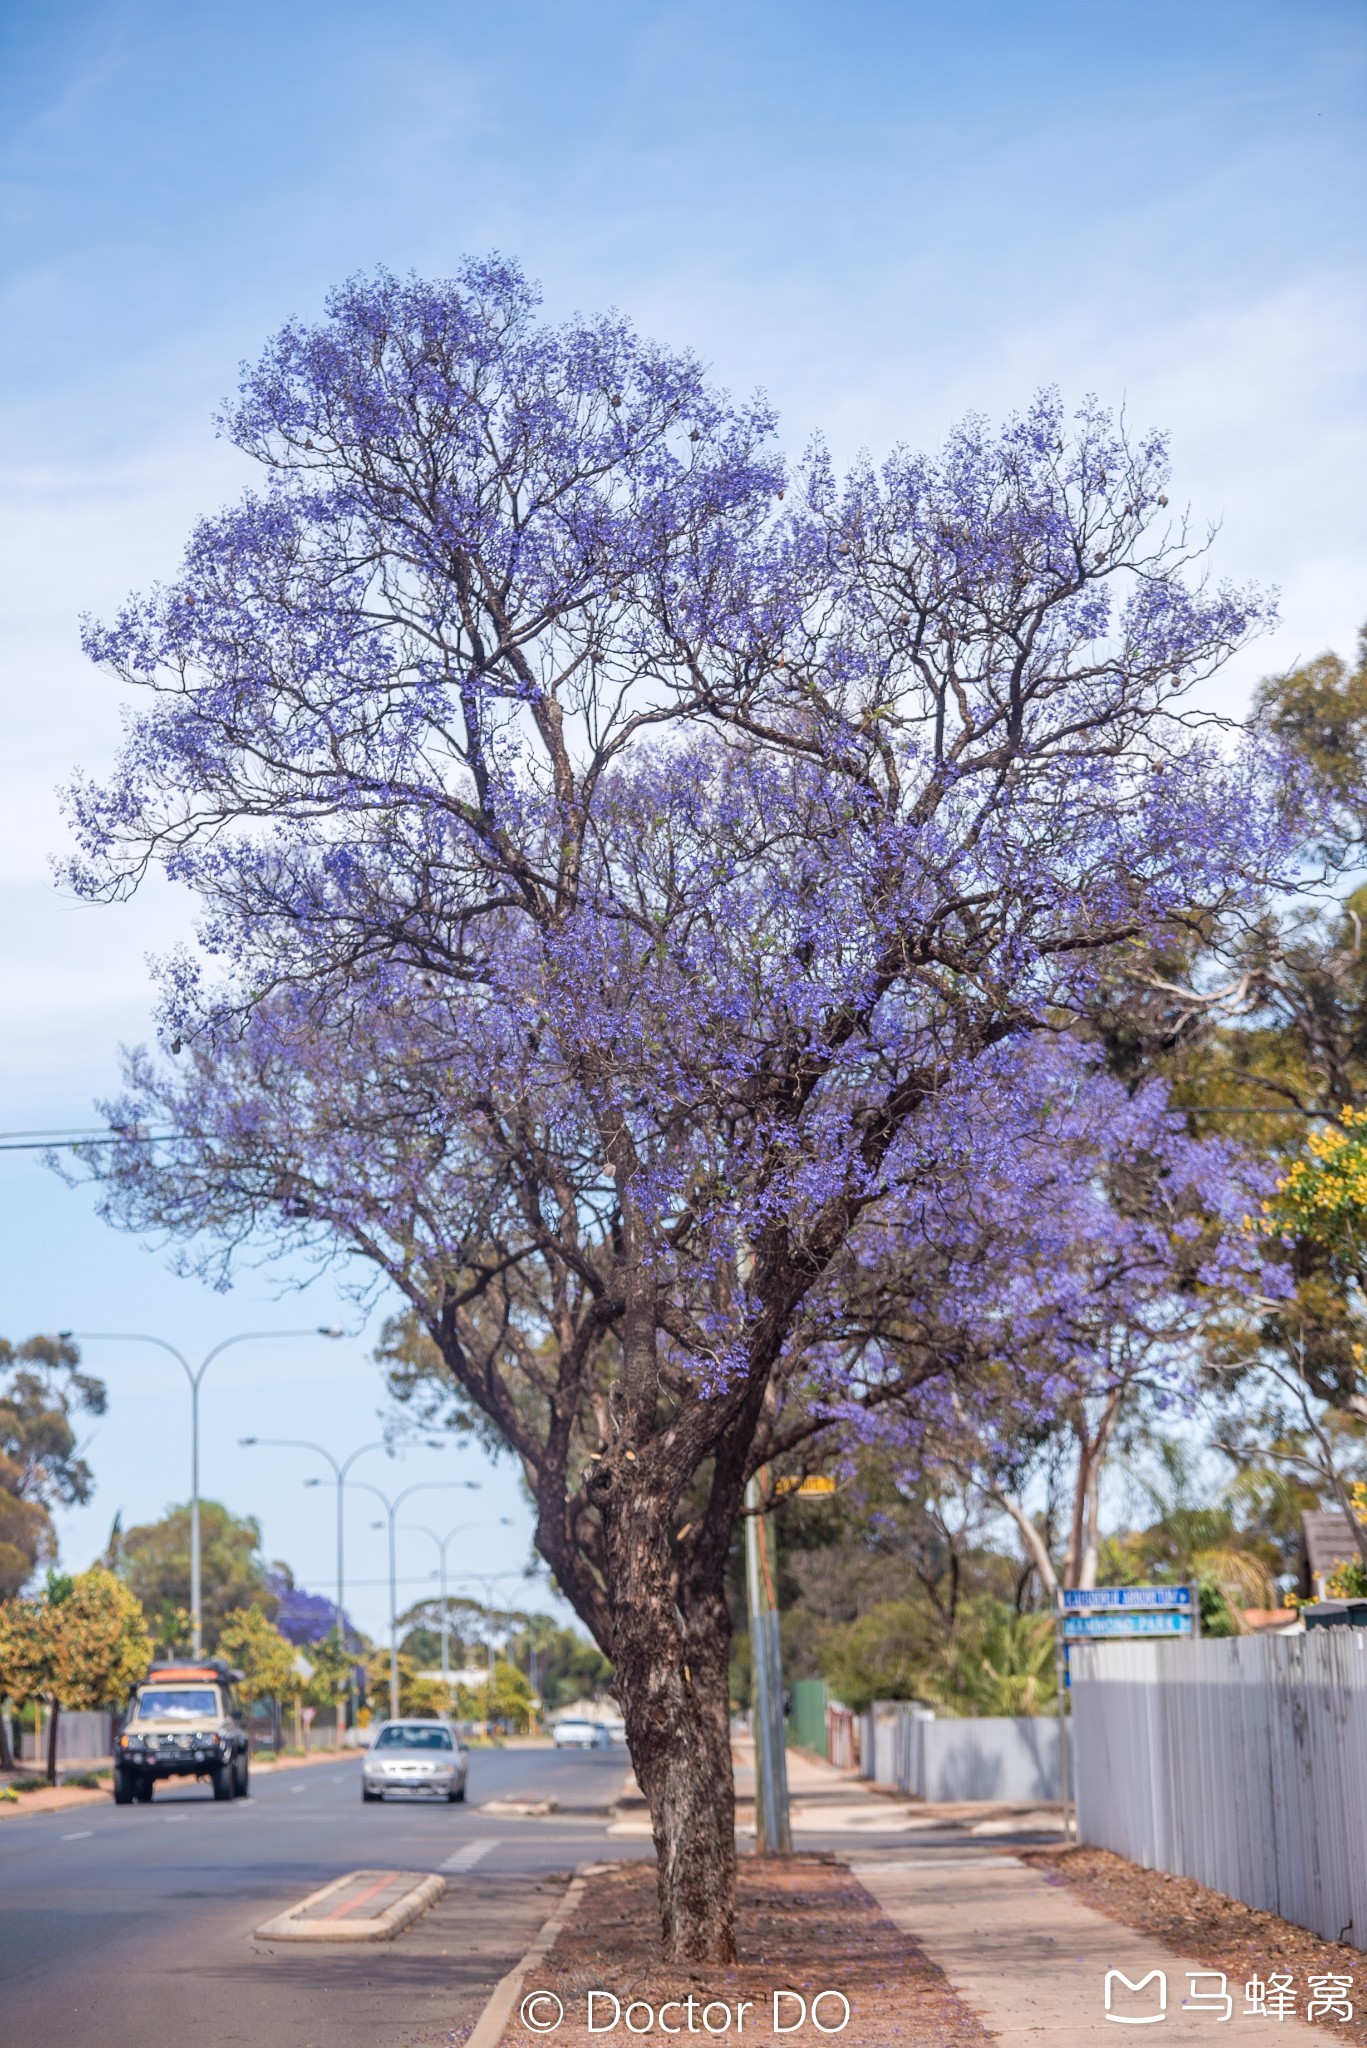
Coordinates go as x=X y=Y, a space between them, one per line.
x=1272 y=1621
x=1329 y=1539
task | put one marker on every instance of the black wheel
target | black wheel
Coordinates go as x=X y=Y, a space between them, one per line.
x=457 y=1798
x=371 y=1798
x=222 y=1775
x=241 y=1775
x=142 y=1788
x=123 y=1787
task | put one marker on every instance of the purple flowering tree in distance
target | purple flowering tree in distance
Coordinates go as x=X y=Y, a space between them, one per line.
x=613 y=848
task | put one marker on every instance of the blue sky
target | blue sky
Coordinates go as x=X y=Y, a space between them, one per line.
x=885 y=215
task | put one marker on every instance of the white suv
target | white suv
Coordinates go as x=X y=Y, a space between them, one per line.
x=414 y=1756
x=570 y=1734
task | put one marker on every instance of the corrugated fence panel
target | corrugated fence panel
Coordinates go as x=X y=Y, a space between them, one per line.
x=1241 y=1763
x=995 y=1757
x=81 y=1737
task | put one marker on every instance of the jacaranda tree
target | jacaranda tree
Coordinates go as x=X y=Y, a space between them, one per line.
x=1079 y=1243
x=612 y=847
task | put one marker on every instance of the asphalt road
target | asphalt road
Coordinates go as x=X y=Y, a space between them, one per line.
x=131 y=1927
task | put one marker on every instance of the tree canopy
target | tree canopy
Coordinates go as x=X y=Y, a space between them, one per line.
x=81 y=1644
x=41 y=1388
x=153 y=1560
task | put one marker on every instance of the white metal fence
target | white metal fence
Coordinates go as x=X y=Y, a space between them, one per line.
x=1241 y=1763
x=1013 y=1758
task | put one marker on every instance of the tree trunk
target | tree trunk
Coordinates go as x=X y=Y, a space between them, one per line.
x=54 y=1716
x=6 y=1745
x=672 y=1678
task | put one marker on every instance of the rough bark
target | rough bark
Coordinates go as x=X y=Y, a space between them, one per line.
x=670 y=1650
x=54 y=1716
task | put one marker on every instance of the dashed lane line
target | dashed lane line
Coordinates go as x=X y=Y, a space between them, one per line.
x=467 y=1857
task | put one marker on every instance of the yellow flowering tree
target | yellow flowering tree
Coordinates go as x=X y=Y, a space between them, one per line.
x=251 y=1641
x=81 y=1645
x=1323 y=1197
x=1321 y=1200
x=1350 y=1580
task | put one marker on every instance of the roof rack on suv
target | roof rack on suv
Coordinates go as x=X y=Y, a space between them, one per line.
x=201 y=1667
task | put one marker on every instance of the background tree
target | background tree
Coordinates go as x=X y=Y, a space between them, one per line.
x=153 y=1560
x=336 y=1666
x=667 y=858
x=424 y=1697
x=304 y=1617
x=81 y=1645
x=41 y=1388
x=506 y=1699
x=567 y=1666
x=251 y=1643
x=1267 y=1034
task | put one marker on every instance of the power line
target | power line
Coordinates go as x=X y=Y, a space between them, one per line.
x=70 y=1140
x=25 y=1141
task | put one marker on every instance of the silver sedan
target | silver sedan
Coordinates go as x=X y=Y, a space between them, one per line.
x=415 y=1756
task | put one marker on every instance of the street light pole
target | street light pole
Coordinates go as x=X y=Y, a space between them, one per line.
x=339 y=1473
x=441 y=1542
x=391 y=1509
x=195 y=1376
x=488 y=1580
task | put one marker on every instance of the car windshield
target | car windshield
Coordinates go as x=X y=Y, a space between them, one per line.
x=413 y=1738
x=185 y=1703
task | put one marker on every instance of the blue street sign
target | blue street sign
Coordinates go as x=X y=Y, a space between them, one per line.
x=1126 y=1596
x=1078 y=1626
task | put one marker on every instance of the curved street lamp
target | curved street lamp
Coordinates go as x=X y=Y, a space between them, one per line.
x=339 y=1473
x=391 y=1508
x=195 y=1376
x=420 y=1528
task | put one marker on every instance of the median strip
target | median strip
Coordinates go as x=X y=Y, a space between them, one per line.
x=395 y=1898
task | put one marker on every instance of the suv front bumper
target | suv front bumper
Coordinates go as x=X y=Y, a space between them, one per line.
x=176 y=1759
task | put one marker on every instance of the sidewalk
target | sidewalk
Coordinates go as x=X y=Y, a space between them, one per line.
x=825 y=1801
x=1031 y=1961
x=1023 y=1953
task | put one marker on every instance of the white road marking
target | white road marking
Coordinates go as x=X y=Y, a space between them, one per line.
x=469 y=1856
x=79 y=1836
x=176 y=1816
x=296 y=1788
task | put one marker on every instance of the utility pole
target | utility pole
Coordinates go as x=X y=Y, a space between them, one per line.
x=773 y=1833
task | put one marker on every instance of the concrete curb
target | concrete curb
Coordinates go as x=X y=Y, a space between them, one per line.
x=423 y=1892
x=67 y=1799
x=488 y=2028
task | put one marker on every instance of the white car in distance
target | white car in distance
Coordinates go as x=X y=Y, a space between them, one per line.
x=415 y=1756
x=569 y=1734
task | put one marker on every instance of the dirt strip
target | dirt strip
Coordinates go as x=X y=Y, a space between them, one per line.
x=805 y=1926
x=1211 y=1929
